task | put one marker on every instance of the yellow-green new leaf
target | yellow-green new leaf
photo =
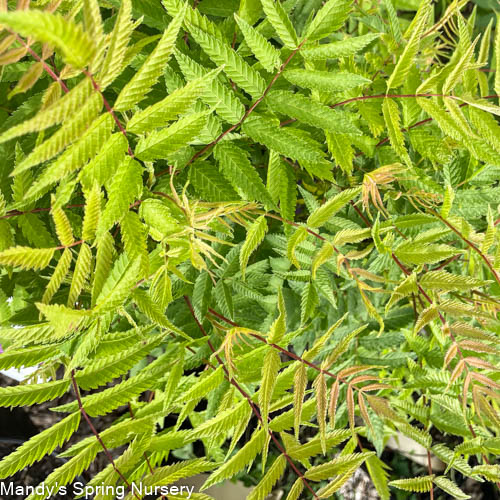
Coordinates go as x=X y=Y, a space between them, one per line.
x=148 y=74
x=400 y=73
x=80 y=274
x=76 y=46
x=265 y=486
x=58 y=276
x=417 y=484
x=266 y=53
x=27 y=258
x=450 y=487
x=22 y=395
x=322 y=214
x=39 y=445
x=255 y=235
x=270 y=369
x=393 y=122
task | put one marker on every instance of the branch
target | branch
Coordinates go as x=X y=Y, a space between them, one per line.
x=249 y=111
x=96 y=433
x=109 y=109
x=46 y=67
x=253 y=406
x=468 y=243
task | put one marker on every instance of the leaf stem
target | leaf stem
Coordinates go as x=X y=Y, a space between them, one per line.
x=249 y=111
x=96 y=433
x=253 y=406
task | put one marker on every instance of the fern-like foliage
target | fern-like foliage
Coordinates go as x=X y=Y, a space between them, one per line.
x=264 y=230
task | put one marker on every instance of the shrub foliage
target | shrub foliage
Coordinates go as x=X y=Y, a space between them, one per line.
x=229 y=222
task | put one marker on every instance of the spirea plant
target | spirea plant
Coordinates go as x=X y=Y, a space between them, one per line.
x=266 y=228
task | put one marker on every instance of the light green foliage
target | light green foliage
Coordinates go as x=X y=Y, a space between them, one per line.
x=263 y=231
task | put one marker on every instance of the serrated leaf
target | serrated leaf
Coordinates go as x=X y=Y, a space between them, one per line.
x=329 y=18
x=341 y=48
x=424 y=253
x=418 y=484
x=402 y=68
x=27 y=258
x=39 y=445
x=278 y=139
x=238 y=170
x=80 y=274
x=325 y=81
x=268 y=56
x=219 y=96
x=255 y=235
x=450 y=487
x=281 y=22
x=270 y=369
x=148 y=74
x=162 y=143
x=76 y=46
x=235 y=67
x=322 y=214
x=311 y=112
x=21 y=395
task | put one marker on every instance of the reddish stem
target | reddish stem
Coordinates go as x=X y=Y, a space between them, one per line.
x=96 y=433
x=253 y=406
x=245 y=116
x=108 y=108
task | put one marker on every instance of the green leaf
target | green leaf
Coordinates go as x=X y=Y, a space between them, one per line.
x=54 y=113
x=405 y=62
x=27 y=258
x=238 y=170
x=80 y=274
x=266 y=484
x=414 y=253
x=239 y=460
x=40 y=445
x=148 y=74
x=75 y=156
x=265 y=53
x=311 y=112
x=342 y=48
x=117 y=287
x=162 y=143
x=378 y=475
x=280 y=21
x=26 y=356
x=255 y=235
x=325 y=81
x=76 y=46
x=112 y=65
x=322 y=214
x=125 y=187
x=22 y=395
x=328 y=19
x=337 y=466
x=209 y=183
x=417 y=484
x=235 y=67
x=92 y=213
x=219 y=96
x=177 y=103
x=106 y=368
x=450 y=487
x=444 y=280
x=270 y=369
x=393 y=123
x=281 y=140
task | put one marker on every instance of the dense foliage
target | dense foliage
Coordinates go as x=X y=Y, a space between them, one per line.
x=233 y=222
